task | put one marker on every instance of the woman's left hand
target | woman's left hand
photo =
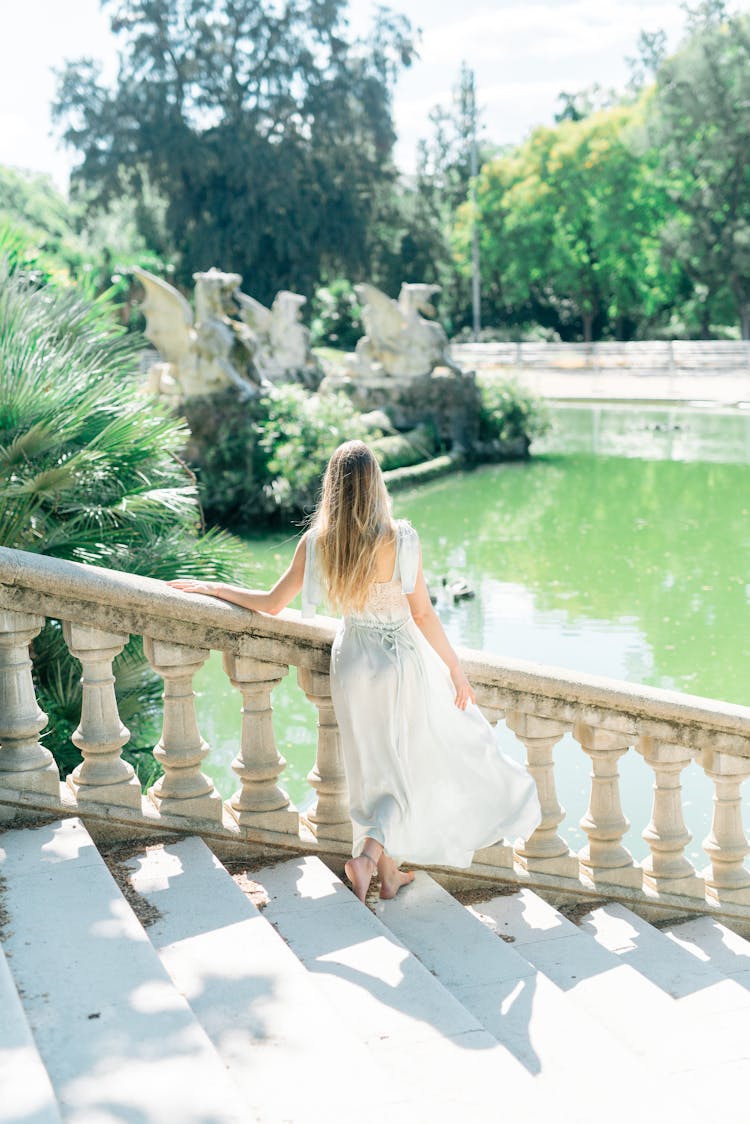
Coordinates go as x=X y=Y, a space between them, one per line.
x=464 y=689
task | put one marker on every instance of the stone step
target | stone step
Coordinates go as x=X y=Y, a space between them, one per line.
x=632 y=1007
x=551 y=1037
x=25 y=1090
x=439 y=1058
x=282 y=1045
x=698 y=984
x=709 y=941
x=118 y=1041
x=715 y=1009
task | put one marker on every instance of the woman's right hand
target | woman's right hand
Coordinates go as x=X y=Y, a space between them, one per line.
x=464 y=689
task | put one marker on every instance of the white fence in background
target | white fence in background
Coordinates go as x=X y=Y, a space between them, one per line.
x=662 y=357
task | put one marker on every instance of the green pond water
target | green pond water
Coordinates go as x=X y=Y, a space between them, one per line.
x=621 y=548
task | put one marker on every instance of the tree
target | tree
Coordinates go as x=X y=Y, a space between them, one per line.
x=266 y=129
x=582 y=103
x=700 y=128
x=59 y=240
x=570 y=225
x=652 y=49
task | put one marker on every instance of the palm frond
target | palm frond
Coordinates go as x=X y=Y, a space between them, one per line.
x=89 y=471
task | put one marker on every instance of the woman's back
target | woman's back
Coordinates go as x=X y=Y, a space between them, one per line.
x=385 y=560
x=396 y=563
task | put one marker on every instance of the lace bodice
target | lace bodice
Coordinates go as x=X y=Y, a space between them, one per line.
x=386 y=601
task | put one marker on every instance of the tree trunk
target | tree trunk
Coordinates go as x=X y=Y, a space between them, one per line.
x=588 y=323
x=745 y=320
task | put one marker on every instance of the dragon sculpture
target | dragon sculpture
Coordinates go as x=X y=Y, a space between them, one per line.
x=231 y=341
x=278 y=341
x=399 y=342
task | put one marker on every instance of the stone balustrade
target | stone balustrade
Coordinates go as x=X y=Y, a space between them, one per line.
x=541 y=705
x=657 y=356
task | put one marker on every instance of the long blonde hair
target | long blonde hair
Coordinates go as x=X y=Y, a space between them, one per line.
x=352 y=519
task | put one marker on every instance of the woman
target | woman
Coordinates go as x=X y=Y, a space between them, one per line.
x=426 y=778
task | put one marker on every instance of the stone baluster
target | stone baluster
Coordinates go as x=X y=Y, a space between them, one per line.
x=545 y=851
x=330 y=816
x=667 y=870
x=259 y=802
x=727 y=879
x=183 y=790
x=25 y=765
x=103 y=777
x=604 y=858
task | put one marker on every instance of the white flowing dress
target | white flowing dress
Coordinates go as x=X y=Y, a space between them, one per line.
x=426 y=779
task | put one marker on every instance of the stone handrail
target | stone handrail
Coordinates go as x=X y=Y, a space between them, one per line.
x=100 y=608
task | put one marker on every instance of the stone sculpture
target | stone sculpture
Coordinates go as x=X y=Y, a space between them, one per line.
x=399 y=342
x=277 y=340
x=232 y=341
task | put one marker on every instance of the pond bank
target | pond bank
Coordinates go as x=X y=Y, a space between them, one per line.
x=411 y=475
x=398 y=478
x=722 y=388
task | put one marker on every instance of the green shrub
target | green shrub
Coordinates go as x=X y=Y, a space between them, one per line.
x=509 y=413
x=336 y=316
x=90 y=471
x=263 y=460
x=300 y=432
x=51 y=238
x=224 y=449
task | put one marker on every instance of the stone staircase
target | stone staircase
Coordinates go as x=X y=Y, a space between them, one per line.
x=165 y=994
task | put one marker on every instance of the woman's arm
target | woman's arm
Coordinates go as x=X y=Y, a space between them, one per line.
x=428 y=622
x=273 y=601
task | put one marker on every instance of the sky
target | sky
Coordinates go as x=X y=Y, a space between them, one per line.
x=523 y=54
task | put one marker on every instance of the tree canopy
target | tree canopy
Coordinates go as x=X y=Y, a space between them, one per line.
x=569 y=226
x=265 y=128
x=259 y=137
x=700 y=128
x=632 y=216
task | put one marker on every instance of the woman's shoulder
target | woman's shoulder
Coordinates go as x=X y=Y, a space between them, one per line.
x=305 y=549
x=405 y=531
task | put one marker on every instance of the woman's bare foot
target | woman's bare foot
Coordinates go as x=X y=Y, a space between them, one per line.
x=391 y=878
x=359 y=871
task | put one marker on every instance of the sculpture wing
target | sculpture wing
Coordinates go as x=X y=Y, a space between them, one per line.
x=382 y=316
x=416 y=298
x=169 y=317
x=257 y=317
x=286 y=307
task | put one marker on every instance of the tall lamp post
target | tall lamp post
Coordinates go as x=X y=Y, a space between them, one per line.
x=476 y=299
x=469 y=98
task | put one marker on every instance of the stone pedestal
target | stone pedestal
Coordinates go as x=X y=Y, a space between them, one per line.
x=446 y=400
